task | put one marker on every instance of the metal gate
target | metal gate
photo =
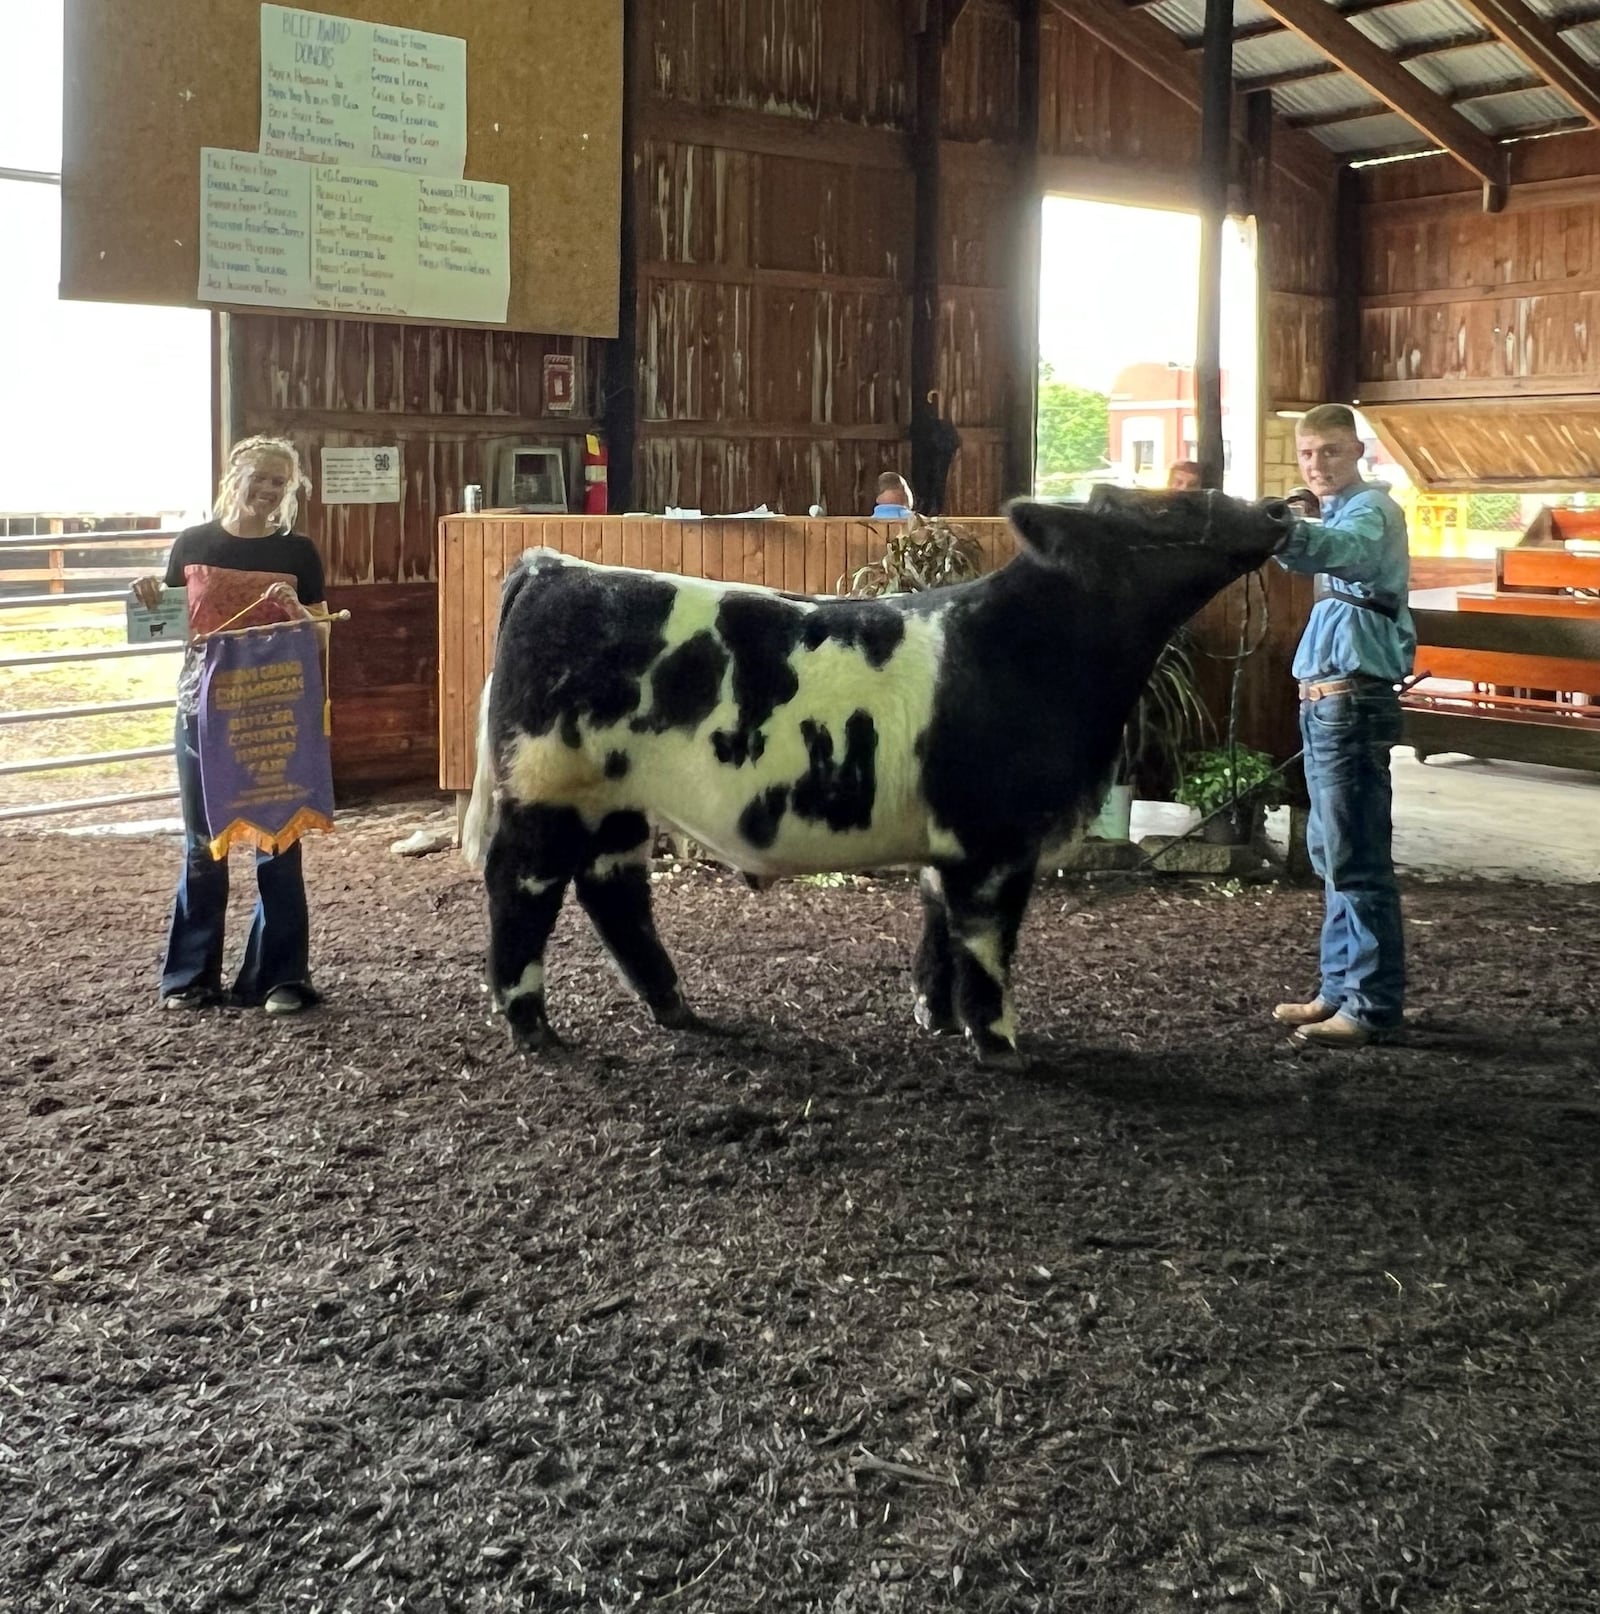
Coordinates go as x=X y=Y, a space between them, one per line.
x=56 y=576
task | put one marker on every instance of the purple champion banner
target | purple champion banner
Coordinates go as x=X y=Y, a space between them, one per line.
x=264 y=766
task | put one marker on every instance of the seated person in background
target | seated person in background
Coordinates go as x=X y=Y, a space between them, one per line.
x=894 y=498
x=1184 y=477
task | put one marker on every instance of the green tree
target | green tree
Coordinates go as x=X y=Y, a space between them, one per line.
x=1074 y=427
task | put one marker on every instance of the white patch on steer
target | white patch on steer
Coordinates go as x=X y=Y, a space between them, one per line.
x=675 y=780
x=613 y=863
x=531 y=984
x=535 y=888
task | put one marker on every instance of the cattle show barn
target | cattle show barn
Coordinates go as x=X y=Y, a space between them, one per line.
x=367 y=1310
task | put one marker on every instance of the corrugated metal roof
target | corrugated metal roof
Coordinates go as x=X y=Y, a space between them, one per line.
x=1452 y=73
x=1518 y=110
x=1367 y=134
x=1461 y=69
x=1586 y=41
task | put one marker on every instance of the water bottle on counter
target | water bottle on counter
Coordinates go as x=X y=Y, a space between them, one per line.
x=472 y=498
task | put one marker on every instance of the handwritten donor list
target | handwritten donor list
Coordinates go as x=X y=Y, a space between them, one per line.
x=255 y=229
x=335 y=90
x=356 y=201
x=364 y=240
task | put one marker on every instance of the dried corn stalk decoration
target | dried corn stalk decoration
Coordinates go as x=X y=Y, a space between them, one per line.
x=928 y=554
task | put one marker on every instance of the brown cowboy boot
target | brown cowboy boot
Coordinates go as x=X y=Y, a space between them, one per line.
x=1304 y=1014
x=1337 y=1031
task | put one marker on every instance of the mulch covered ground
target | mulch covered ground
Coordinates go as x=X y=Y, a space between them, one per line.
x=362 y=1312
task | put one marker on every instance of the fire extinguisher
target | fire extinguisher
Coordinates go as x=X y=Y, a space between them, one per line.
x=595 y=495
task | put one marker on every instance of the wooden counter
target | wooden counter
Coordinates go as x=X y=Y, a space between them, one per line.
x=475 y=552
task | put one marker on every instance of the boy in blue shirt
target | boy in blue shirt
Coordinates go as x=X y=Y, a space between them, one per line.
x=1357 y=645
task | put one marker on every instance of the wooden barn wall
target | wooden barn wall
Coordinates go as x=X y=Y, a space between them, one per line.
x=774 y=199
x=1456 y=303
x=445 y=398
x=774 y=217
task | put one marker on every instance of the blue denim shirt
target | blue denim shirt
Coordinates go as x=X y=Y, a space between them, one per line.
x=1361 y=540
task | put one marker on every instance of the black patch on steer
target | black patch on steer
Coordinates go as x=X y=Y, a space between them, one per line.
x=760 y=633
x=619 y=832
x=574 y=649
x=759 y=822
x=617 y=764
x=875 y=630
x=686 y=684
x=840 y=793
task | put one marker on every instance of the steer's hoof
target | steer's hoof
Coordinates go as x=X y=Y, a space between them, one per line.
x=941 y=1022
x=996 y=1054
x=678 y=1016
x=535 y=1037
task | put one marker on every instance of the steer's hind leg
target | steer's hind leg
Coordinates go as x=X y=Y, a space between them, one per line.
x=933 y=969
x=614 y=888
x=532 y=858
x=986 y=908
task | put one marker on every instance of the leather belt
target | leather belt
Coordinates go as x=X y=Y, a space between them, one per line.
x=1316 y=691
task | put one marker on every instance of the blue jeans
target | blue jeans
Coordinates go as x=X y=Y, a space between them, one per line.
x=1350 y=838
x=276 y=953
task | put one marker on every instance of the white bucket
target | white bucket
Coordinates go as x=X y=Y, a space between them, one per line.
x=1116 y=815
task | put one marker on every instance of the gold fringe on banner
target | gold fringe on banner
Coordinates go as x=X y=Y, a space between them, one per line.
x=241 y=832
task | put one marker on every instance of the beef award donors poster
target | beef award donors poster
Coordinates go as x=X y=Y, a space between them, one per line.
x=264 y=765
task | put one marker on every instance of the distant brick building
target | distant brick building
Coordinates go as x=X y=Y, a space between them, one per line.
x=1153 y=424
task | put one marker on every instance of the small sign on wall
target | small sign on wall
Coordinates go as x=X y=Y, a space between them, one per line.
x=558 y=383
x=360 y=476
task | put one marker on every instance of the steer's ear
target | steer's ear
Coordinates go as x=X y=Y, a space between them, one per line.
x=1052 y=531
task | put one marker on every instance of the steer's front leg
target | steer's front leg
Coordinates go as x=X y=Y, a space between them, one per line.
x=933 y=970
x=985 y=907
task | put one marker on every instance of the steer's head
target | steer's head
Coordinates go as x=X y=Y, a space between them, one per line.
x=1173 y=550
x=1121 y=521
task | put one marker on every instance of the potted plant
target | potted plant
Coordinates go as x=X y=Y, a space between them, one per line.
x=1237 y=777
x=1167 y=720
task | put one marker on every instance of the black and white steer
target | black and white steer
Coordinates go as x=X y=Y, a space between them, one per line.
x=961 y=729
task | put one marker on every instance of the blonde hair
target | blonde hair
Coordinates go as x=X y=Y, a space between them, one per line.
x=245 y=456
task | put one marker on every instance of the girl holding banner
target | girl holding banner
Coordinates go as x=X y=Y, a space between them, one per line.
x=250 y=733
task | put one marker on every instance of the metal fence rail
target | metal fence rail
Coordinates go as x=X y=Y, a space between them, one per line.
x=57 y=546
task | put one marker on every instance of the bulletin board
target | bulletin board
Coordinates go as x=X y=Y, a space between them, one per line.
x=149 y=85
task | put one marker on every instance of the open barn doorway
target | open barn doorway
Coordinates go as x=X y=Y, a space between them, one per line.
x=1118 y=301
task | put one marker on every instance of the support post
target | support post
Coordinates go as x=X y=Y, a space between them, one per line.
x=619 y=413
x=929 y=54
x=1345 y=363
x=1022 y=426
x=1215 y=115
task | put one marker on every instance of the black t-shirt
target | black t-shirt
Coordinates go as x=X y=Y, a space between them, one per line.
x=287 y=552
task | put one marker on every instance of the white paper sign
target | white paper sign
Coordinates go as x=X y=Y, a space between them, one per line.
x=337 y=90
x=352 y=240
x=255 y=229
x=360 y=476
x=363 y=240
x=463 y=250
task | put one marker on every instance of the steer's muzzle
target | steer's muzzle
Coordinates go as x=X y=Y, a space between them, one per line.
x=1278 y=510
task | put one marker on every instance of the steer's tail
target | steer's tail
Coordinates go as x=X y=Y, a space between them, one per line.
x=483 y=810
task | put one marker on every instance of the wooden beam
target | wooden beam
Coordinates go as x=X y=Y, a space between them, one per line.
x=619 y=407
x=1317 y=23
x=1216 y=73
x=1345 y=360
x=952 y=15
x=1159 y=54
x=1022 y=422
x=1534 y=39
x=927 y=51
